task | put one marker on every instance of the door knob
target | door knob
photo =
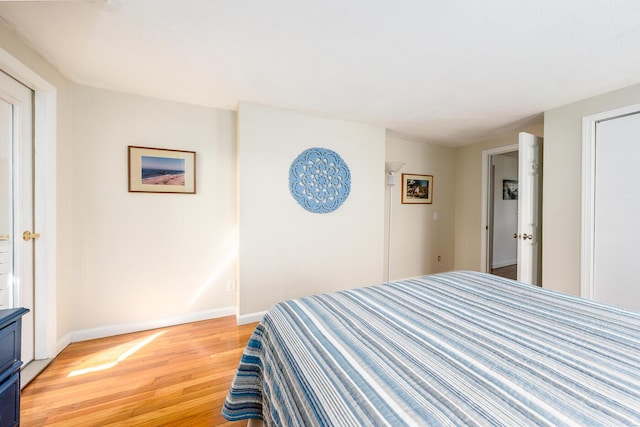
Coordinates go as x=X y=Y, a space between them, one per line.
x=516 y=236
x=527 y=236
x=27 y=235
x=4 y=237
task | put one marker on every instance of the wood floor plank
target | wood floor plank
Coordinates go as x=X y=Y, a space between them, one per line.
x=178 y=377
x=509 y=271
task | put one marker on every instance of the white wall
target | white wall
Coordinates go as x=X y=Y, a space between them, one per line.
x=128 y=260
x=562 y=203
x=140 y=257
x=286 y=251
x=133 y=258
x=505 y=213
x=417 y=239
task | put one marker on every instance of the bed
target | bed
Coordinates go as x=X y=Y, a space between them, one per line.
x=458 y=348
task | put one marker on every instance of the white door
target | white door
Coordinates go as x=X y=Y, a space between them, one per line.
x=616 y=212
x=529 y=172
x=16 y=204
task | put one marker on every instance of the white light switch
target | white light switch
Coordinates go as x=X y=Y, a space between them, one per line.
x=435 y=216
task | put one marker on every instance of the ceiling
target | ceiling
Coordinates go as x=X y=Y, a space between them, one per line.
x=447 y=72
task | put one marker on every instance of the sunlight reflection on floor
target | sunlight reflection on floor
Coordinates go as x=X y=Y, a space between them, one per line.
x=110 y=362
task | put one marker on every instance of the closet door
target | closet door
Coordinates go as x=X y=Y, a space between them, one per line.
x=617 y=212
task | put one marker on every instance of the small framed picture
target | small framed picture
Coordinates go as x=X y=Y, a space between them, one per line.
x=417 y=188
x=509 y=189
x=159 y=170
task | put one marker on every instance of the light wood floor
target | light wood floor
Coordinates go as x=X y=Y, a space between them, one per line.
x=175 y=376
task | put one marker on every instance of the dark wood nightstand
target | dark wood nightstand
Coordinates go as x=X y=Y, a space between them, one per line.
x=10 y=363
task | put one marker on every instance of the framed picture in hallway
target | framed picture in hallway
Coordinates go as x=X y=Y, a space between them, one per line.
x=417 y=189
x=158 y=170
x=509 y=189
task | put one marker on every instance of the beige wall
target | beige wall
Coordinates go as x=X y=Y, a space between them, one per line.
x=125 y=258
x=468 y=197
x=563 y=186
x=417 y=239
x=138 y=256
x=286 y=251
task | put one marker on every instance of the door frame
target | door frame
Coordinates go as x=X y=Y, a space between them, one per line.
x=486 y=195
x=45 y=202
x=587 y=248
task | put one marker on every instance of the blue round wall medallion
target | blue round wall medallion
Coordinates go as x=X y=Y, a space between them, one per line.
x=319 y=180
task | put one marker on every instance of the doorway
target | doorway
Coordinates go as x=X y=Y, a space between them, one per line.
x=16 y=205
x=499 y=248
x=44 y=176
x=503 y=220
x=525 y=192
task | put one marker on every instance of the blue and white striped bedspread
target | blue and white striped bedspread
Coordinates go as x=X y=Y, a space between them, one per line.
x=457 y=348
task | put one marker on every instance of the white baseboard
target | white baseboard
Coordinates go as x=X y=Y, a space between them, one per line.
x=250 y=318
x=504 y=263
x=107 y=331
x=62 y=344
x=32 y=370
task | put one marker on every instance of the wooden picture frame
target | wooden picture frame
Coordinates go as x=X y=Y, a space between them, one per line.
x=417 y=189
x=160 y=170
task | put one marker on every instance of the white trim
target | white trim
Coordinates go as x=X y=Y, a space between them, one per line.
x=45 y=107
x=63 y=343
x=486 y=170
x=588 y=193
x=108 y=331
x=588 y=206
x=45 y=220
x=31 y=370
x=250 y=318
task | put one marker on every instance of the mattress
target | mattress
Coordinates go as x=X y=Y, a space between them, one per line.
x=458 y=348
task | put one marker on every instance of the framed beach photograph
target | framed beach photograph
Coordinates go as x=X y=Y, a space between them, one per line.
x=159 y=170
x=417 y=188
x=509 y=189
